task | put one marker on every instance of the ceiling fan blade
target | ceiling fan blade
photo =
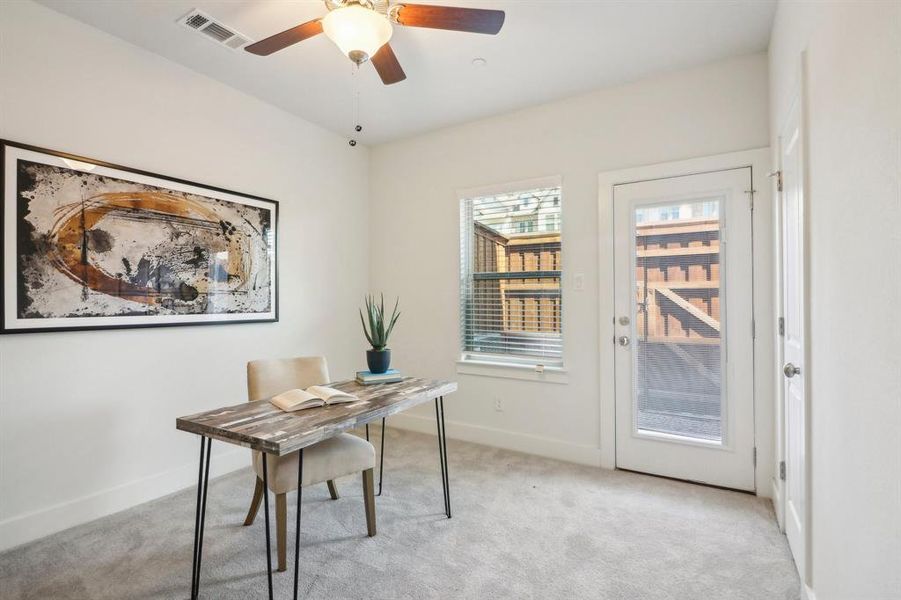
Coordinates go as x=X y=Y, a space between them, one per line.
x=474 y=20
x=282 y=40
x=385 y=62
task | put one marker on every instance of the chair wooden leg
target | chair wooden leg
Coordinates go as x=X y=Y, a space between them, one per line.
x=369 y=500
x=255 y=503
x=332 y=489
x=281 y=528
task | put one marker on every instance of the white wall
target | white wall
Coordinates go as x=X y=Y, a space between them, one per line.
x=709 y=110
x=87 y=420
x=853 y=117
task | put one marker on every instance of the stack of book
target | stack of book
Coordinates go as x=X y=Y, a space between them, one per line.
x=369 y=378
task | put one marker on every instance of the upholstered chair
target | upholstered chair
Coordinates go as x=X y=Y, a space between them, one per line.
x=323 y=462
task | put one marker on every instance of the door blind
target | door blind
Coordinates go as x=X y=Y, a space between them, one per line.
x=510 y=295
x=678 y=320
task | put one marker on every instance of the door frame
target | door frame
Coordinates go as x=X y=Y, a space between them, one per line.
x=759 y=161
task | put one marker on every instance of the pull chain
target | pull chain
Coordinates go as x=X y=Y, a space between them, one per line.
x=355 y=75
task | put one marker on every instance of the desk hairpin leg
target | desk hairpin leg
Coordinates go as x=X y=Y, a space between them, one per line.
x=203 y=480
x=381 y=454
x=296 y=523
x=442 y=453
x=382 y=458
x=266 y=515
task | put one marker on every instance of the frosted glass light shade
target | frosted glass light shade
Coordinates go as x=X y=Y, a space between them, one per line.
x=357 y=29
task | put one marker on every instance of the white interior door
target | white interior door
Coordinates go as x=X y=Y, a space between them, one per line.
x=683 y=301
x=793 y=341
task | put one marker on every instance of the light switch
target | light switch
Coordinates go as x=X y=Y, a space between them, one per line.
x=579 y=282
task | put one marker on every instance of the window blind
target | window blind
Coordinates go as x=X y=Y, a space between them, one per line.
x=510 y=295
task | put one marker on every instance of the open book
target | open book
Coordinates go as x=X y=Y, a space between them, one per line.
x=317 y=395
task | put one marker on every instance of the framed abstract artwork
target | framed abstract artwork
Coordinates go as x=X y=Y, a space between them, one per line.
x=93 y=245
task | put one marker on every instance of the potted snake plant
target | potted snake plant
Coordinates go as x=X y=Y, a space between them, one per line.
x=379 y=356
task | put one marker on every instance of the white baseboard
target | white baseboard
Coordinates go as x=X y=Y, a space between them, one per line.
x=46 y=521
x=499 y=438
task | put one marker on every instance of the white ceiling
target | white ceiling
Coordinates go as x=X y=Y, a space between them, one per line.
x=547 y=50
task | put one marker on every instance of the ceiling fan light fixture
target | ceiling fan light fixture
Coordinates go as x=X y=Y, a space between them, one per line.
x=358 y=31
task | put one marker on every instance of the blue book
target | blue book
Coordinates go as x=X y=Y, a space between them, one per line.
x=389 y=376
x=379 y=381
x=387 y=373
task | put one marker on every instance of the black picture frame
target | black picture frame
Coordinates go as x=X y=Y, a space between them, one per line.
x=203 y=319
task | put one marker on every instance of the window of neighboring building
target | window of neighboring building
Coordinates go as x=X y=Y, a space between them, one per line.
x=704 y=209
x=552 y=220
x=511 y=308
x=525 y=225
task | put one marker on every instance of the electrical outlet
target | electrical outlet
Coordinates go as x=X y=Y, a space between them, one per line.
x=498 y=404
x=579 y=282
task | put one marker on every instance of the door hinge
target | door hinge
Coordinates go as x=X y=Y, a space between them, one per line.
x=782 y=470
x=755 y=456
x=782 y=326
x=750 y=194
x=753 y=329
x=778 y=176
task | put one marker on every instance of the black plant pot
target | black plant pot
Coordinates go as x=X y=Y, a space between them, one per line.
x=378 y=360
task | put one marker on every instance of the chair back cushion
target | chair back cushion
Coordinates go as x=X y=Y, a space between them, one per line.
x=266 y=378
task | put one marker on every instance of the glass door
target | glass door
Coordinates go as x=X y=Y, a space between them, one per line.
x=684 y=361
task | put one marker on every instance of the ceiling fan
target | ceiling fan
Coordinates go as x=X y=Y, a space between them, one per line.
x=362 y=28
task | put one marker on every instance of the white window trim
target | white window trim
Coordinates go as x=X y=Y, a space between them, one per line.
x=506 y=370
x=513 y=367
x=509 y=187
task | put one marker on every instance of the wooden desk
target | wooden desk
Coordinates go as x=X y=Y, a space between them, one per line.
x=261 y=426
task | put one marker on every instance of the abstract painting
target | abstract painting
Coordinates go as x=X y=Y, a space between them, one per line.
x=91 y=245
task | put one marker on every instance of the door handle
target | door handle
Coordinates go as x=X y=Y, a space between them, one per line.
x=791 y=370
x=624 y=340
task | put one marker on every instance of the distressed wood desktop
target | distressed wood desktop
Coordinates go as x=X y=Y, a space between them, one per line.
x=261 y=426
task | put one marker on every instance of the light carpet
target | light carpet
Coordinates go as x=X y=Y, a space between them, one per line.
x=523 y=527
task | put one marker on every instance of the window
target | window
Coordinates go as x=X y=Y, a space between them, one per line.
x=526 y=225
x=552 y=220
x=705 y=209
x=511 y=307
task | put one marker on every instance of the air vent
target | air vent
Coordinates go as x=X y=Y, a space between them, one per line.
x=213 y=30
x=196 y=21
